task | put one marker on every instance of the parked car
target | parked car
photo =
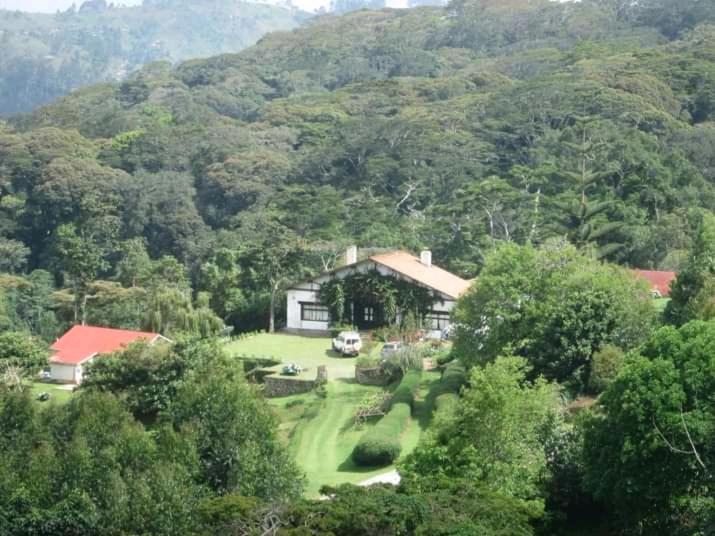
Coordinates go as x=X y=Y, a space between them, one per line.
x=390 y=348
x=45 y=375
x=347 y=343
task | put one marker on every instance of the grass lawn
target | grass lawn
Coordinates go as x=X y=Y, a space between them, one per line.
x=58 y=393
x=320 y=432
x=308 y=352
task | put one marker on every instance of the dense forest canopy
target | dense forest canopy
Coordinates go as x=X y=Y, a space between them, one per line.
x=45 y=56
x=453 y=129
x=544 y=148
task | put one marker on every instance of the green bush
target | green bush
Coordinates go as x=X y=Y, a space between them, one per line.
x=387 y=333
x=337 y=328
x=367 y=362
x=604 y=367
x=381 y=444
x=375 y=451
x=405 y=392
x=453 y=378
x=444 y=356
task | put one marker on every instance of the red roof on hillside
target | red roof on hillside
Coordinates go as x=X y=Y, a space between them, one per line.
x=82 y=342
x=659 y=281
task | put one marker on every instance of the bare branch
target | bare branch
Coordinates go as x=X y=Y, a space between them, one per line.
x=693 y=450
x=690 y=440
x=670 y=445
x=410 y=190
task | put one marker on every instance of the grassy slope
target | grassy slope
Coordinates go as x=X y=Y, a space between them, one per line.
x=320 y=432
x=322 y=436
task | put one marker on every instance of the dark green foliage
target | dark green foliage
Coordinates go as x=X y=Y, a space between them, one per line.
x=494 y=435
x=686 y=301
x=649 y=448
x=439 y=508
x=21 y=350
x=446 y=393
x=453 y=129
x=235 y=433
x=89 y=467
x=146 y=378
x=392 y=295
x=49 y=55
x=63 y=468
x=553 y=306
x=606 y=364
x=380 y=445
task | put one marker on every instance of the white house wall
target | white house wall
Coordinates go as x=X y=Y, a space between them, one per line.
x=309 y=292
x=306 y=295
x=62 y=373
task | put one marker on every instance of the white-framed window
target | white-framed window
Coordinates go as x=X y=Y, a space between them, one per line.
x=437 y=320
x=369 y=315
x=314 y=312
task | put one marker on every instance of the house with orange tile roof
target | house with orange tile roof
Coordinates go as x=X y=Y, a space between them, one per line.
x=82 y=344
x=306 y=313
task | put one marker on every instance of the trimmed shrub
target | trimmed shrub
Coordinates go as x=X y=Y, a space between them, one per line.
x=405 y=392
x=373 y=451
x=381 y=444
x=453 y=378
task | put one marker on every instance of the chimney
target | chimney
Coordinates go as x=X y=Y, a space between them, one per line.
x=351 y=255
x=426 y=257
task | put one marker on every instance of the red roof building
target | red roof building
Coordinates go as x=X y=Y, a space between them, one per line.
x=81 y=344
x=659 y=281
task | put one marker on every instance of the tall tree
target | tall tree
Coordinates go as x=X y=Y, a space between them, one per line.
x=691 y=280
x=580 y=220
x=494 y=435
x=276 y=257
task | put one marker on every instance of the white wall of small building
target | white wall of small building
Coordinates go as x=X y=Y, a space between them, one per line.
x=62 y=373
x=68 y=373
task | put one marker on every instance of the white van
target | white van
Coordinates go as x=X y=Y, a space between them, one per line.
x=347 y=343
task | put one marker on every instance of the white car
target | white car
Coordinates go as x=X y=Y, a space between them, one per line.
x=390 y=348
x=347 y=343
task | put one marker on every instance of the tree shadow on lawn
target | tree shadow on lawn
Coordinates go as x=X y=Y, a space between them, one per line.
x=349 y=381
x=335 y=355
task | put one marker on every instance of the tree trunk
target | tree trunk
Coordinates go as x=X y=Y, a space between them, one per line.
x=272 y=311
x=84 y=309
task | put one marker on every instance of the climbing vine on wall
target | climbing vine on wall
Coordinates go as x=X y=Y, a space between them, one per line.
x=373 y=288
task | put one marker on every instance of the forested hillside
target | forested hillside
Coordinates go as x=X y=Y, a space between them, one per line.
x=453 y=129
x=46 y=56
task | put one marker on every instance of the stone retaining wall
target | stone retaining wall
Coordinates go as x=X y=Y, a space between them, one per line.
x=276 y=386
x=370 y=376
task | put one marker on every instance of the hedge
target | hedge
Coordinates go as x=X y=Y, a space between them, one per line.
x=453 y=378
x=381 y=444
